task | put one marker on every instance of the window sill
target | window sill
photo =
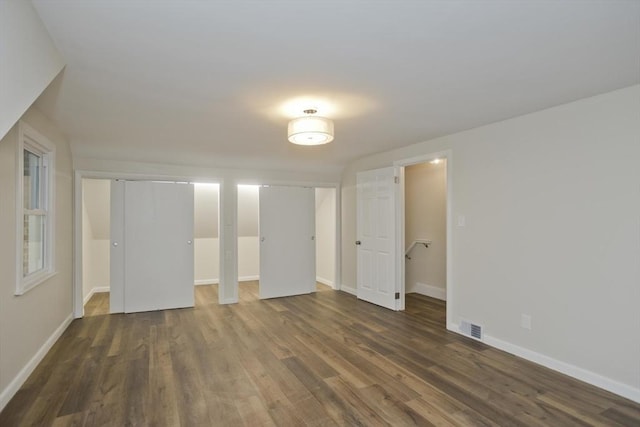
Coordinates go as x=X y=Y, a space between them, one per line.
x=33 y=281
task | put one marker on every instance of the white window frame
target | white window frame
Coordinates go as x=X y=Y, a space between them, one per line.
x=33 y=141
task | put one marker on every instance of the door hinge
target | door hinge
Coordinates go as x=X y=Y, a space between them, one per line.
x=397 y=295
x=396 y=180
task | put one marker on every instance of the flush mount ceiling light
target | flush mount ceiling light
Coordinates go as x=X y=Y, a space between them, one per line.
x=310 y=129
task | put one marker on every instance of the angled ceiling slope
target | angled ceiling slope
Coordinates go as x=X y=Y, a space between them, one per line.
x=29 y=60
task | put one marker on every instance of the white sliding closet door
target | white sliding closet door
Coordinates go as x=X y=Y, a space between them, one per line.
x=287 y=241
x=155 y=247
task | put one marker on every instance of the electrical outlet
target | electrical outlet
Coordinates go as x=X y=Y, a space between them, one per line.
x=525 y=321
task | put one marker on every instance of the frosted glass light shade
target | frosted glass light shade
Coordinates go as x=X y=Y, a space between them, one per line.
x=310 y=130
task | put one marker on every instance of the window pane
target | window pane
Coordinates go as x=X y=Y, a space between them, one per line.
x=32 y=168
x=33 y=256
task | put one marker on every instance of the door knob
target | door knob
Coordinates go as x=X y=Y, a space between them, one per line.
x=115 y=244
x=189 y=242
x=358 y=242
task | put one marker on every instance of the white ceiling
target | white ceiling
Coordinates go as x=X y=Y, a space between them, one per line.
x=204 y=83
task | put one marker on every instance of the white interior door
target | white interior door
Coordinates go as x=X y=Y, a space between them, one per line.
x=158 y=246
x=376 y=237
x=287 y=241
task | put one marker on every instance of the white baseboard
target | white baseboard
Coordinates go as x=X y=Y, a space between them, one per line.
x=349 y=290
x=24 y=373
x=573 y=371
x=201 y=282
x=430 y=291
x=324 y=281
x=96 y=290
x=248 y=278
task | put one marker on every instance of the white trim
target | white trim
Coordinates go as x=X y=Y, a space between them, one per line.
x=399 y=201
x=349 y=290
x=448 y=155
x=248 y=278
x=201 y=282
x=325 y=281
x=88 y=297
x=27 y=369
x=77 y=300
x=573 y=371
x=581 y=374
x=338 y=252
x=96 y=290
x=32 y=140
x=228 y=241
x=430 y=291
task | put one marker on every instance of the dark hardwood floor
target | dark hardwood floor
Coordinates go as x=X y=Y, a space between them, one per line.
x=322 y=359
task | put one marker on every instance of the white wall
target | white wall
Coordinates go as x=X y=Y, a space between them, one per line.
x=205 y=208
x=30 y=323
x=95 y=236
x=325 y=235
x=248 y=258
x=207 y=260
x=551 y=202
x=248 y=232
x=29 y=60
x=206 y=235
x=426 y=218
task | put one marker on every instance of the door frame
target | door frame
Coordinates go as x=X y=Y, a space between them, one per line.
x=400 y=225
x=227 y=223
x=337 y=280
x=78 y=176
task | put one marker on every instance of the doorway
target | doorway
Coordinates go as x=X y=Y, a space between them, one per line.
x=206 y=238
x=425 y=228
x=415 y=278
x=322 y=235
x=248 y=242
x=96 y=240
x=152 y=256
x=326 y=236
x=96 y=232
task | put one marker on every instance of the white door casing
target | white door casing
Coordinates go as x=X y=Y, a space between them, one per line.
x=116 y=256
x=377 y=237
x=287 y=241
x=156 y=246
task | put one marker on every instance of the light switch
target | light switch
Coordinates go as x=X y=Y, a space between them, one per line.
x=462 y=221
x=525 y=321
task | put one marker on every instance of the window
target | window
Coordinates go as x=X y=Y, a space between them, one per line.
x=35 y=203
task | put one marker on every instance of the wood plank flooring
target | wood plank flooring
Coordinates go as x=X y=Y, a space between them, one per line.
x=323 y=359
